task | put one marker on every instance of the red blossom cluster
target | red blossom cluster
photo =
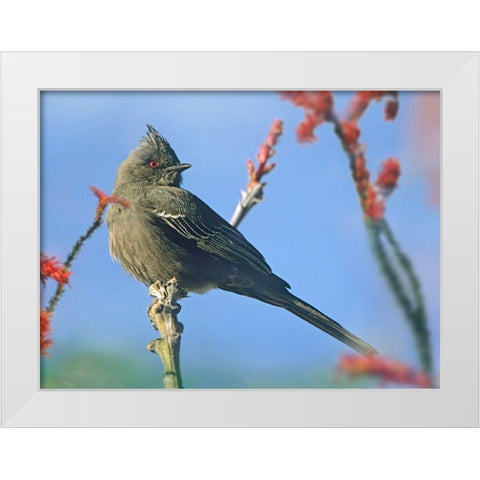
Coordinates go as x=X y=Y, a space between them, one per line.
x=45 y=329
x=104 y=200
x=387 y=179
x=372 y=195
x=350 y=134
x=318 y=108
x=361 y=175
x=362 y=99
x=373 y=206
x=265 y=152
x=360 y=102
x=391 y=108
x=52 y=268
x=387 y=370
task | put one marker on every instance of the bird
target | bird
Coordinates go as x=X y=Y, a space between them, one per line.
x=167 y=232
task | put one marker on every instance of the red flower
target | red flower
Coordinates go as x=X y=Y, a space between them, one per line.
x=361 y=174
x=318 y=106
x=360 y=102
x=350 y=133
x=305 y=129
x=385 y=369
x=388 y=177
x=51 y=268
x=251 y=171
x=391 y=109
x=372 y=206
x=321 y=103
x=275 y=131
x=298 y=98
x=358 y=105
x=45 y=329
x=265 y=152
x=362 y=99
x=104 y=200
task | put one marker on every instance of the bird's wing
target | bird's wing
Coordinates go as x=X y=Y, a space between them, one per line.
x=194 y=220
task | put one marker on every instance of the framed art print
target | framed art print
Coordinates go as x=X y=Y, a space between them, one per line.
x=293 y=190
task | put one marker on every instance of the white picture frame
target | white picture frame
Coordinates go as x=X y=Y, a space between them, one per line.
x=453 y=404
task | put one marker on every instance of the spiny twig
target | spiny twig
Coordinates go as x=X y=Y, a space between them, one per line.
x=254 y=190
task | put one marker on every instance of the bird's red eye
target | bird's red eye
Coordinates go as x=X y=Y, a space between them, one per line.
x=153 y=164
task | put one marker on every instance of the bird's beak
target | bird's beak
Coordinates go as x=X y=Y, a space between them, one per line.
x=179 y=167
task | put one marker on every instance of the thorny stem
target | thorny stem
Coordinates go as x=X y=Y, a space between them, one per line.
x=68 y=262
x=395 y=268
x=416 y=317
x=163 y=315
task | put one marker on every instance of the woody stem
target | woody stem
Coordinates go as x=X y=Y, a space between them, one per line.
x=163 y=315
x=247 y=202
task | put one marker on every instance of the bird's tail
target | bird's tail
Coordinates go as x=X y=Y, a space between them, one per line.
x=321 y=321
x=280 y=296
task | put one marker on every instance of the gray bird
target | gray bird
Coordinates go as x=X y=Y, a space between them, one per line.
x=168 y=232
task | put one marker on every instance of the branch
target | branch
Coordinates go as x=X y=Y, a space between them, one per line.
x=247 y=202
x=163 y=315
x=103 y=201
x=395 y=265
x=68 y=262
x=413 y=307
x=254 y=190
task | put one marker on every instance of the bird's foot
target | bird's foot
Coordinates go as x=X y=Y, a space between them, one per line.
x=167 y=293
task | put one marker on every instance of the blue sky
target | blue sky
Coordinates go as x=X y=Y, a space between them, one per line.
x=309 y=228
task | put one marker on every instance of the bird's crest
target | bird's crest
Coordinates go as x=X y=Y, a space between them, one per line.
x=158 y=143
